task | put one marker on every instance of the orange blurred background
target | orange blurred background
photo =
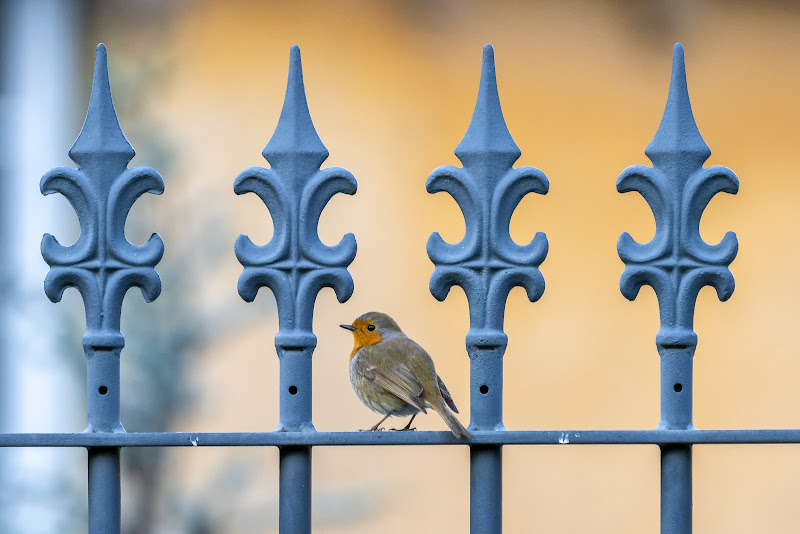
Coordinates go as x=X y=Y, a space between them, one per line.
x=391 y=87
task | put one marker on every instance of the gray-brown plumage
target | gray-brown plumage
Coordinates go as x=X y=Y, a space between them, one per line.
x=393 y=375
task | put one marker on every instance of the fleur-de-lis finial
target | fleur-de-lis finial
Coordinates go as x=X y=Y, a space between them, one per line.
x=102 y=264
x=677 y=263
x=295 y=264
x=487 y=263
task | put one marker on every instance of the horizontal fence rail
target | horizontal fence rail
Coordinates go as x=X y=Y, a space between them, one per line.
x=295 y=265
x=333 y=439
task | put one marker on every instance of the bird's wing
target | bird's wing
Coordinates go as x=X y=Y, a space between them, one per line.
x=446 y=394
x=399 y=380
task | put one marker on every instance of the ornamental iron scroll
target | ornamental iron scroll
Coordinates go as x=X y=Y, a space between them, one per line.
x=102 y=264
x=295 y=264
x=677 y=263
x=487 y=264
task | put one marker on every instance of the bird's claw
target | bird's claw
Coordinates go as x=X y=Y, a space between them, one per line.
x=404 y=429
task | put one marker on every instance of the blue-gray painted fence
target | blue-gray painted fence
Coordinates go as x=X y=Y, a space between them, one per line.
x=487 y=264
x=295 y=265
x=102 y=265
x=677 y=263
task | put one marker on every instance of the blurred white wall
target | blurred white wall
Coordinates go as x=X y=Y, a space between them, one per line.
x=38 y=82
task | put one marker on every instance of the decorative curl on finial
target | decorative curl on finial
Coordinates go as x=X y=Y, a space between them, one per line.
x=487 y=263
x=102 y=264
x=295 y=265
x=677 y=263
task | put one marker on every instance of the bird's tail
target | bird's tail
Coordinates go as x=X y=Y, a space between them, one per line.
x=453 y=423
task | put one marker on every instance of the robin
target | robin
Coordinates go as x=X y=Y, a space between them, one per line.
x=393 y=375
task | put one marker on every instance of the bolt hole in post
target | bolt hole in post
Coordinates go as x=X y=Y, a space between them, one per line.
x=292 y=390
x=678 y=388
x=102 y=390
x=484 y=389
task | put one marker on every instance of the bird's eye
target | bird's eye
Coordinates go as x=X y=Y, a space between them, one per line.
x=371 y=327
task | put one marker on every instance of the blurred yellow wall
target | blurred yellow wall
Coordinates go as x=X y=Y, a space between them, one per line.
x=391 y=87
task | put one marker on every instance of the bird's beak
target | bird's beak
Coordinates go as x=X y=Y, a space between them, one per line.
x=348 y=327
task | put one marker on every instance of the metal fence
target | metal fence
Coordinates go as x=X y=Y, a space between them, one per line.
x=296 y=265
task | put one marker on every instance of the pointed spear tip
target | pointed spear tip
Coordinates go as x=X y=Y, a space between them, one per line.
x=295 y=132
x=294 y=57
x=100 y=64
x=101 y=135
x=678 y=132
x=487 y=65
x=295 y=69
x=678 y=63
x=487 y=133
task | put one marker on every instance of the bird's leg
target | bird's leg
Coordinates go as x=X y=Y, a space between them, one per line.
x=408 y=426
x=374 y=428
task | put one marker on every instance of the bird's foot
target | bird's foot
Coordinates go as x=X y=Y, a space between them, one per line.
x=404 y=429
x=373 y=429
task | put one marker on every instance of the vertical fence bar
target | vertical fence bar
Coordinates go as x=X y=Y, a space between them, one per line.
x=677 y=263
x=104 y=490
x=487 y=264
x=295 y=265
x=102 y=265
